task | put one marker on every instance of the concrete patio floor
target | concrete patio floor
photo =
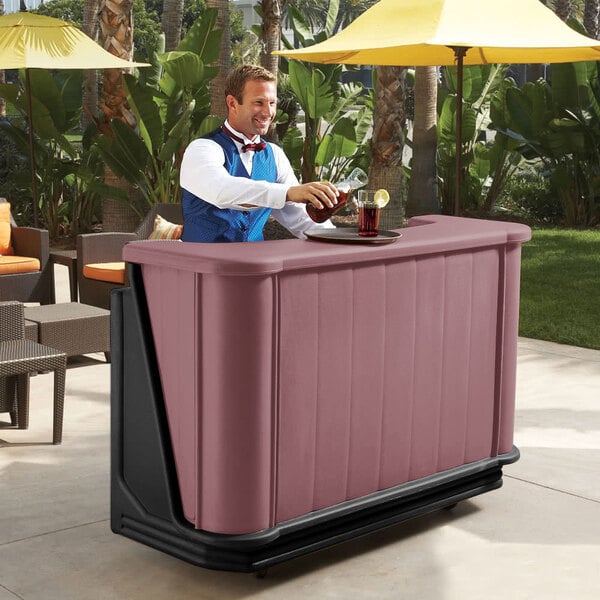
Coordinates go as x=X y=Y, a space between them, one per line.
x=537 y=537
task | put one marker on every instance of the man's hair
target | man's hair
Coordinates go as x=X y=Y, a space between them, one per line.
x=236 y=80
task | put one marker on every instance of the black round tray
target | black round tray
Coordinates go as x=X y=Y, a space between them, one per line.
x=349 y=235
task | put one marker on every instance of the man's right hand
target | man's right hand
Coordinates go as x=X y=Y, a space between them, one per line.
x=320 y=194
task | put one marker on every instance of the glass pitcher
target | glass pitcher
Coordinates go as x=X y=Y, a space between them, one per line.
x=355 y=180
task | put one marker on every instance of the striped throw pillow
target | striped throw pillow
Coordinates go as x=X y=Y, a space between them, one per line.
x=165 y=230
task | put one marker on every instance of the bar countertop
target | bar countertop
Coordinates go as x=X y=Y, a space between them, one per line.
x=424 y=235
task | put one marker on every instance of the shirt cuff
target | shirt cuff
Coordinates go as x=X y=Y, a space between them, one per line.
x=277 y=195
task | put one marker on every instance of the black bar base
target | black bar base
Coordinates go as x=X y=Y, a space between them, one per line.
x=145 y=503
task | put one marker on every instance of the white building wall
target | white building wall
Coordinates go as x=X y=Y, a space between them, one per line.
x=247 y=7
x=252 y=18
x=11 y=6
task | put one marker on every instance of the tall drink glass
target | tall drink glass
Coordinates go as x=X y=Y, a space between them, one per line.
x=368 y=214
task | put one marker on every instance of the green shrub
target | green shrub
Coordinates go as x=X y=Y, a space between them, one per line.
x=528 y=195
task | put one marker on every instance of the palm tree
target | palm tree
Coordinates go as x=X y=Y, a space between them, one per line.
x=270 y=34
x=90 y=81
x=217 y=85
x=274 y=12
x=349 y=10
x=387 y=143
x=422 y=190
x=172 y=18
x=2 y=78
x=116 y=32
x=535 y=71
x=591 y=11
x=563 y=8
x=315 y=11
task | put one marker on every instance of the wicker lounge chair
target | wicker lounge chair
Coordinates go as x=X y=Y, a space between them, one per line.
x=107 y=248
x=95 y=248
x=18 y=358
x=30 y=286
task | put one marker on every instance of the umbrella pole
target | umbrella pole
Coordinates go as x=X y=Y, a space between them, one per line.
x=31 y=153
x=459 y=54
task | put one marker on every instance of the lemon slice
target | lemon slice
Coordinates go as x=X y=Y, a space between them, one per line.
x=381 y=198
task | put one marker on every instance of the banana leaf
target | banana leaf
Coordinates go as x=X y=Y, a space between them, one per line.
x=125 y=153
x=202 y=38
x=141 y=102
x=341 y=142
x=186 y=68
x=314 y=93
x=178 y=134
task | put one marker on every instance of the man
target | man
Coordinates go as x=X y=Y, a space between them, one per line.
x=232 y=180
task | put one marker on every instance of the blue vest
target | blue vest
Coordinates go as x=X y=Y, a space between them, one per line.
x=204 y=222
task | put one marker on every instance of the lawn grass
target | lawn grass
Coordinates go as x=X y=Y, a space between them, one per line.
x=560 y=287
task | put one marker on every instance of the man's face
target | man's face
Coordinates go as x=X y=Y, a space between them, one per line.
x=254 y=115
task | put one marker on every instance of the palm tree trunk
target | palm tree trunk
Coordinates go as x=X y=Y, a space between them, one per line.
x=172 y=18
x=563 y=8
x=534 y=72
x=2 y=77
x=422 y=189
x=590 y=17
x=2 y=101
x=270 y=34
x=116 y=31
x=387 y=143
x=217 y=85
x=90 y=81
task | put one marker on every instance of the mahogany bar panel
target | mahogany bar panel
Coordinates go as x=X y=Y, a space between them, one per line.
x=273 y=398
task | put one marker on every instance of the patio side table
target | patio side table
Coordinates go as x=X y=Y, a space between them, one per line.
x=68 y=258
x=72 y=327
x=20 y=358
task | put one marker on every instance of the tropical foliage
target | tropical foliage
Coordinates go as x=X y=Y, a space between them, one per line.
x=171 y=107
x=324 y=125
x=555 y=126
x=559 y=124
x=316 y=11
x=337 y=116
x=485 y=163
x=170 y=104
x=68 y=177
x=147 y=21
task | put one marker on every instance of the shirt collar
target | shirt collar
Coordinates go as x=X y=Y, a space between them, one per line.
x=247 y=140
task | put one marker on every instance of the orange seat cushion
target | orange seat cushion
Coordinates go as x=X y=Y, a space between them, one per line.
x=112 y=272
x=5 y=247
x=18 y=264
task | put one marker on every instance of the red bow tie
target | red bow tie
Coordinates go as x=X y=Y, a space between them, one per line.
x=257 y=147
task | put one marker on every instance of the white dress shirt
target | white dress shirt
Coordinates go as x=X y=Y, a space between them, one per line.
x=203 y=174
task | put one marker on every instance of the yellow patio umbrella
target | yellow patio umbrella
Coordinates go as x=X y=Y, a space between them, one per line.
x=453 y=32
x=30 y=41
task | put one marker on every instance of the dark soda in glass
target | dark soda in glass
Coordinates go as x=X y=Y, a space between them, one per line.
x=368 y=221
